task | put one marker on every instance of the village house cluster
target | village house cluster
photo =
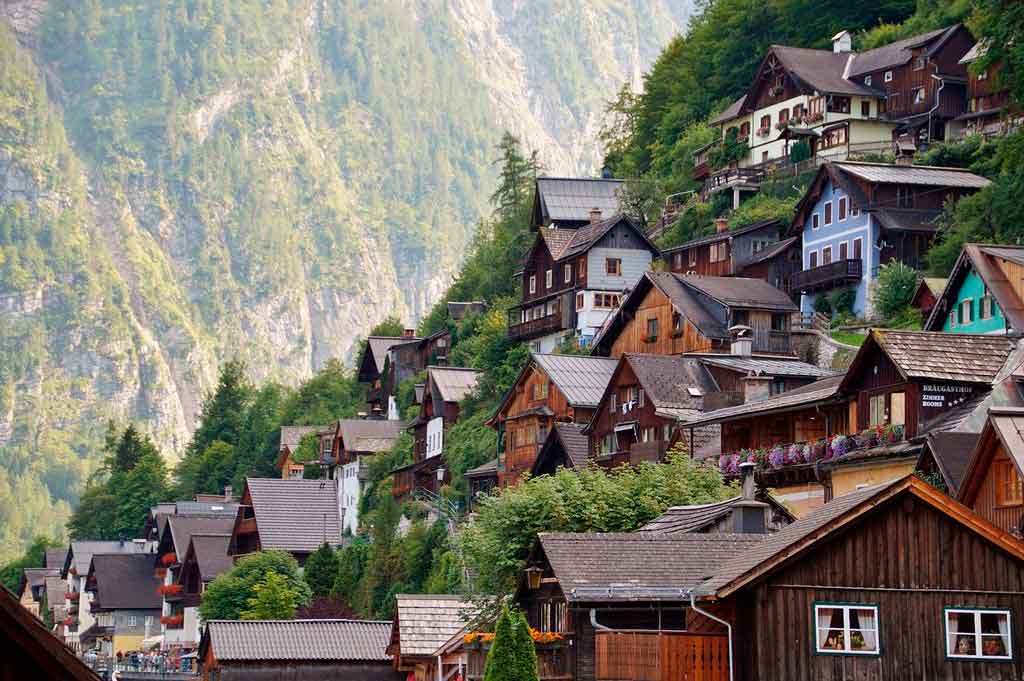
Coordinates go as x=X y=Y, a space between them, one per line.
x=877 y=497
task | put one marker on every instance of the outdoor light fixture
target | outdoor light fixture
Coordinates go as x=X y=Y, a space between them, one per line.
x=533 y=575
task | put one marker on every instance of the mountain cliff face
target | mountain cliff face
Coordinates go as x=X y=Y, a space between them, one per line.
x=190 y=180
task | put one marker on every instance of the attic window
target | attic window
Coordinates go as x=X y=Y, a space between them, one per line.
x=888 y=76
x=920 y=62
x=1008 y=484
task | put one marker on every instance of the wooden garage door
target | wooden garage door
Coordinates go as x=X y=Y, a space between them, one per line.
x=627 y=656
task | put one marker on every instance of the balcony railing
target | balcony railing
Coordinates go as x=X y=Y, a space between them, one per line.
x=731 y=177
x=832 y=275
x=772 y=342
x=521 y=331
x=554 y=660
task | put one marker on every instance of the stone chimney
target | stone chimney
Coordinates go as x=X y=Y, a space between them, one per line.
x=747 y=480
x=595 y=215
x=721 y=225
x=756 y=387
x=409 y=333
x=749 y=516
x=229 y=492
x=842 y=42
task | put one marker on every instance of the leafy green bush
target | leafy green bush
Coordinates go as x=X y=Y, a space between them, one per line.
x=801 y=151
x=822 y=305
x=894 y=289
x=842 y=301
x=228 y=596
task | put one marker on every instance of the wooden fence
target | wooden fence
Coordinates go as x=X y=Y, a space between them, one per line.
x=628 y=656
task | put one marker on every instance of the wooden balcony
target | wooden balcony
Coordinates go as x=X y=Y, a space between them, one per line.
x=554 y=660
x=732 y=177
x=523 y=331
x=833 y=275
x=701 y=171
x=772 y=342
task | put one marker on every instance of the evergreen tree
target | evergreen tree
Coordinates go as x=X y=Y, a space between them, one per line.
x=515 y=179
x=351 y=567
x=272 y=599
x=137 y=491
x=525 y=649
x=130 y=449
x=321 y=570
x=501 y=662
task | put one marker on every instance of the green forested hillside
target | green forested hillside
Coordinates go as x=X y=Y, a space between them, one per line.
x=184 y=182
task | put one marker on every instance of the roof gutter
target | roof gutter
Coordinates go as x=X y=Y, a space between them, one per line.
x=728 y=627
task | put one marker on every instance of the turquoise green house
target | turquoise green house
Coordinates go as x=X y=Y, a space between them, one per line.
x=980 y=297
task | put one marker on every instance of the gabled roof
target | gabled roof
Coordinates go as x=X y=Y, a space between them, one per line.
x=299 y=640
x=741 y=292
x=484 y=470
x=669 y=382
x=424 y=623
x=978 y=257
x=181 y=529
x=292 y=435
x=820 y=70
x=572 y=439
x=565 y=199
x=768 y=252
x=369 y=435
x=695 y=518
x=723 y=236
x=453 y=384
x=580 y=378
x=377 y=348
x=83 y=551
x=38 y=649
x=927 y=355
x=607 y=567
x=975 y=53
x=56 y=558
x=210 y=552
x=820 y=392
x=1003 y=427
x=36 y=577
x=952 y=453
x=295 y=515
x=896 y=53
x=927 y=176
x=55 y=588
x=125 y=582
x=731 y=111
x=587 y=236
x=834 y=517
x=765 y=366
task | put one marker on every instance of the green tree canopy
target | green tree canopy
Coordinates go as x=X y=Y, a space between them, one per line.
x=321 y=570
x=272 y=599
x=228 y=596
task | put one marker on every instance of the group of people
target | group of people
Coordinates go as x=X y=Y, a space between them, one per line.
x=139 y=661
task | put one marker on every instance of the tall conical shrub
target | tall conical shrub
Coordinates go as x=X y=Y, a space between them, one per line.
x=501 y=658
x=526 y=653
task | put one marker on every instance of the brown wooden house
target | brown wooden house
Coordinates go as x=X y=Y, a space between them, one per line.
x=829 y=597
x=206 y=558
x=671 y=314
x=992 y=484
x=988 y=99
x=439 y=407
x=549 y=389
x=372 y=367
x=423 y=629
x=646 y=397
x=927 y=294
x=291 y=436
x=566 y=446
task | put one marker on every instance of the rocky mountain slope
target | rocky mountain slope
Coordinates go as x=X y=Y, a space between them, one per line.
x=190 y=180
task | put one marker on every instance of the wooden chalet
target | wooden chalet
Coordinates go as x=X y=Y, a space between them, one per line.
x=646 y=397
x=32 y=588
x=179 y=620
x=989 y=110
x=983 y=294
x=574 y=277
x=671 y=314
x=753 y=251
x=567 y=202
x=830 y=437
x=992 y=484
x=548 y=390
x=313 y=650
x=482 y=479
x=296 y=516
x=426 y=633
x=29 y=651
x=439 y=407
x=566 y=446
x=372 y=367
x=206 y=558
x=944 y=459
x=405 y=360
x=857 y=216
x=829 y=597
x=125 y=602
x=291 y=436
x=927 y=293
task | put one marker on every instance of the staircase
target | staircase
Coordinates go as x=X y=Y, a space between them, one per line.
x=451 y=512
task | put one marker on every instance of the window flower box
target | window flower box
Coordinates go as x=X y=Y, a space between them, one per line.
x=169 y=558
x=172 y=621
x=72 y=595
x=169 y=589
x=763 y=132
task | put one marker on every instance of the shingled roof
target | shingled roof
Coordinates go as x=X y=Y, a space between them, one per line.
x=821 y=70
x=979 y=259
x=453 y=384
x=83 y=551
x=378 y=346
x=424 y=623
x=567 y=199
x=604 y=567
x=895 y=53
x=295 y=515
x=580 y=378
x=766 y=366
x=297 y=640
x=742 y=292
x=125 y=582
x=55 y=558
x=968 y=358
x=694 y=518
x=292 y=435
x=730 y=112
x=183 y=527
x=824 y=390
x=952 y=453
x=723 y=236
x=369 y=435
x=928 y=176
x=211 y=554
x=670 y=382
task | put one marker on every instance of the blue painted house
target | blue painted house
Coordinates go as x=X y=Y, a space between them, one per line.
x=858 y=216
x=983 y=293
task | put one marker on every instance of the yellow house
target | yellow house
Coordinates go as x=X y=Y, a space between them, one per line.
x=125 y=601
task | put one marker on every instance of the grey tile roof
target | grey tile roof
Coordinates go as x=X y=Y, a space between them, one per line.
x=974 y=54
x=687 y=304
x=742 y=292
x=370 y=435
x=211 y=551
x=588 y=235
x=453 y=384
x=722 y=236
x=379 y=346
x=321 y=640
x=483 y=470
x=893 y=54
x=83 y=551
x=574 y=441
x=731 y=111
x=628 y=566
x=821 y=70
x=55 y=588
x=766 y=366
x=790 y=535
x=694 y=518
x=55 y=558
x=183 y=527
x=292 y=435
x=580 y=378
x=427 y=622
x=818 y=391
x=37 y=576
x=769 y=252
x=889 y=173
x=970 y=358
x=952 y=453
x=295 y=515
x=667 y=380
x=126 y=581
x=206 y=508
x=571 y=199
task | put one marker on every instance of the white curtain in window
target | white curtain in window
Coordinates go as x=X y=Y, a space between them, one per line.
x=868 y=623
x=824 y=624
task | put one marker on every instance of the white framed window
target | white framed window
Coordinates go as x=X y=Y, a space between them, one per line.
x=888 y=77
x=613 y=267
x=815 y=221
x=978 y=633
x=580 y=301
x=549 y=279
x=130 y=620
x=568 y=272
x=846 y=629
x=828 y=213
x=952 y=318
x=867 y=80
x=854 y=211
x=533 y=283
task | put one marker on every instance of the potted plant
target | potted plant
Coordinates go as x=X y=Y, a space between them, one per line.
x=777 y=456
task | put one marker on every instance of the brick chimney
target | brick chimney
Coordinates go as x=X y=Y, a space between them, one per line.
x=721 y=225
x=595 y=215
x=409 y=333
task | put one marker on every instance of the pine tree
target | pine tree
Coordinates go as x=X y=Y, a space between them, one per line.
x=321 y=570
x=273 y=600
x=503 y=663
x=526 y=652
x=516 y=177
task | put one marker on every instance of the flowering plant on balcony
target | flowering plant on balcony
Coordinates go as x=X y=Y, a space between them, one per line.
x=169 y=558
x=762 y=132
x=478 y=637
x=545 y=636
x=68 y=621
x=160 y=572
x=72 y=595
x=172 y=620
x=810 y=452
x=169 y=589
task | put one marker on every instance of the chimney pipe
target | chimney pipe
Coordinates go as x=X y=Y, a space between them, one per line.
x=595 y=215
x=842 y=42
x=721 y=225
x=228 y=492
x=747 y=480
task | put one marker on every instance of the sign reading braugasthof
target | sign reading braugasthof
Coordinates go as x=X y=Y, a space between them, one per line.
x=939 y=396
